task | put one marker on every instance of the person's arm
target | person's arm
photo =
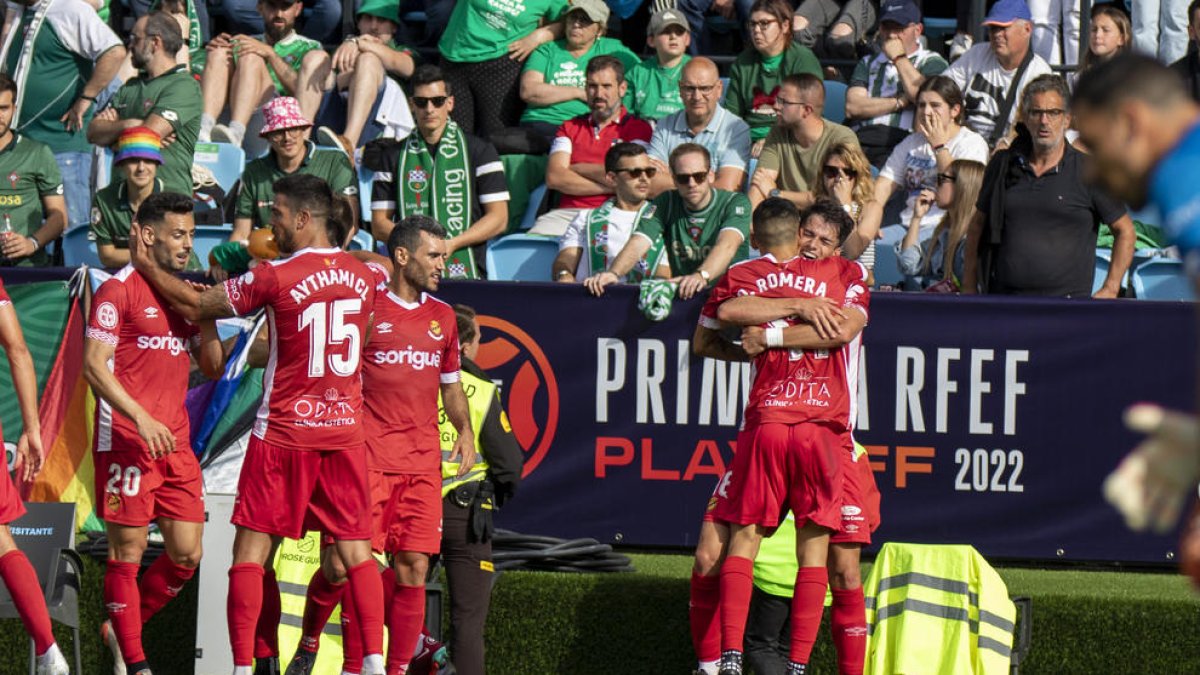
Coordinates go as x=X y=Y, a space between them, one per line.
x=492 y=223
x=912 y=237
x=762 y=181
x=111 y=256
x=632 y=252
x=910 y=78
x=708 y=343
x=506 y=460
x=105 y=126
x=102 y=74
x=97 y=354
x=803 y=336
x=566 y=264
x=592 y=172
x=562 y=177
x=1124 y=236
x=20 y=365
x=751 y=310
x=246 y=46
x=970 y=277
x=54 y=207
x=521 y=49
x=729 y=178
x=535 y=92
x=454 y=401
x=861 y=105
x=870 y=218
x=241 y=229
x=209 y=352
x=192 y=304
x=715 y=264
x=397 y=63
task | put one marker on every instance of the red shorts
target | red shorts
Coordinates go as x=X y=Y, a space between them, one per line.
x=406 y=512
x=860 y=501
x=721 y=491
x=11 y=506
x=785 y=467
x=286 y=491
x=134 y=489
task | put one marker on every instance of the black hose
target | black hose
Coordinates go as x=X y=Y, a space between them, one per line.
x=514 y=551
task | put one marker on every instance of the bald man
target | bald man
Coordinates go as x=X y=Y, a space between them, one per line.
x=705 y=122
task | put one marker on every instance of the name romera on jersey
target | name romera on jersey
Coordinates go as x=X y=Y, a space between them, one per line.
x=786 y=279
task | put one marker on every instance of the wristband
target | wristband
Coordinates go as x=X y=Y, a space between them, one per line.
x=939 y=147
x=774 y=337
x=88 y=98
x=36 y=243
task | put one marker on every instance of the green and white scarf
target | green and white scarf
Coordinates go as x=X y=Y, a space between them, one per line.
x=441 y=189
x=597 y=238
x=13 y=21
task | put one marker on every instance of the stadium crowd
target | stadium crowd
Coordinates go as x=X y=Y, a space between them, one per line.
x=955 y=164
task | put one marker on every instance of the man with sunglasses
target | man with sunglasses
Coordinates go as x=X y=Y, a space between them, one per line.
x=704 y=121
x=442 y=172
x=286 y=129
x=790 y=164
x=702 y=229
x=164 y=97
x=603 y=231
x=1037 y=216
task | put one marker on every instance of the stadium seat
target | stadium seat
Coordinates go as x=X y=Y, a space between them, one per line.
x=225 y=161
x=887 y=265
x=1103 y=261
x=938 y=32
x=1161 y=279
x=835 y=101
x=102 y=167
x=79 y=248
x=750 y=172
x=536 y=197
x=365 y=178
x=724 y=89
x=521 y=257
x=207 y=238
x=362 y=241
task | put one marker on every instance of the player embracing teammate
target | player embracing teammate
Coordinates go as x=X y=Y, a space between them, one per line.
x=795 y=446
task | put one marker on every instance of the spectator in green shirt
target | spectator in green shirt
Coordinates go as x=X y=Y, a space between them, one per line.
x=654 y=83
x=247 y=72
x=552 y=84
x=756 y=74
x=32 y=207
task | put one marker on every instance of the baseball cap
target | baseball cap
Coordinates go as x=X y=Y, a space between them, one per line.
x=903 y=12
x=664 y=18
x=282 y=112
x=384 y=9
x=138 y=143
x=1007 y=11
x=596 y=10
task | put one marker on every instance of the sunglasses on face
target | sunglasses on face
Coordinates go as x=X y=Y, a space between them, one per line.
x=639 y=171
x=832 y=172
x=943 y=178
x=424 y=101
x=686 y=178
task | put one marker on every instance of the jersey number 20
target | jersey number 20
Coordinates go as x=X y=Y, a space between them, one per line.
x=327 y=325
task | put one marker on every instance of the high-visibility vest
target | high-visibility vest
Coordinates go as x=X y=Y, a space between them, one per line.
x=937 y=610
x=480 y=394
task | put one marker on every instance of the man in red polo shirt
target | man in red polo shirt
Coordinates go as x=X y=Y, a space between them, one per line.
x=576 y=166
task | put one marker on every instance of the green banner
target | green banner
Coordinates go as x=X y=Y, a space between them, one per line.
x=42 y=308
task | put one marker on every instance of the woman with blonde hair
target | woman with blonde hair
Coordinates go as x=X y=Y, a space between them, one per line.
x=846 y=179
x=937 y=264
x=1110 y=34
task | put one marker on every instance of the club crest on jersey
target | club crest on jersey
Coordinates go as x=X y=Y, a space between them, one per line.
x=384 y=328
x=14 y=178
x=113 y=502
x=435 y=330
x=600 y=241
x=106 y=315
x=694 y=233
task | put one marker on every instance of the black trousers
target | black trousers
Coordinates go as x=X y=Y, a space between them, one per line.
x=768 y=633
x=487 y=95
x=469 y=576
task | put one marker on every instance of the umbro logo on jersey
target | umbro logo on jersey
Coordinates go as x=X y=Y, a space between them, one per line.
x=384 y=327
x=151 y=312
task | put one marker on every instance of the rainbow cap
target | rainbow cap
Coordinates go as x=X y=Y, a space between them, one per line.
x=139 y=143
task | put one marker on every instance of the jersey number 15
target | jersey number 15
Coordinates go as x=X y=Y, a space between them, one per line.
x=327 y=325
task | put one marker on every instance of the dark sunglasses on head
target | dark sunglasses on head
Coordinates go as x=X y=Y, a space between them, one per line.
x=685 y=178
x=424 y=101
x=835 y=171
x=945 y=178
x=639 y=171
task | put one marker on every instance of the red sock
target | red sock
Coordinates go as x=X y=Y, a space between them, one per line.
x=352 y=646
x=737 y=582
x=161 y=583
x=26 y=592
x=124 y=608
x=242 y=608
x=266 y=630
x=703 y=606
x=848 y=623
x=807 y=605
x=322 y=598
x=388 y=578
x=367 y=588
x=404 y=625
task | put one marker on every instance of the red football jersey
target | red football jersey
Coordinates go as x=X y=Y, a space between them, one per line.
x=318 y=302
x=151 y=359
x=412 y=351
x=794 y=386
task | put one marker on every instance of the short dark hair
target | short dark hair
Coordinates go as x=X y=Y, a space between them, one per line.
x=948 y=90
x=306 y=192
x=688 y=148
x=155 y=208
x=620 y=151
x=832 y=213
x=465 y=317
x=1192 y=9
x=774 y=219
x=606 y=61
x=164 y=26
x=809 y=85
x=1127 y=76
x=1044 y=84
x=8 y=84
x=428 y=73
x=407 y=233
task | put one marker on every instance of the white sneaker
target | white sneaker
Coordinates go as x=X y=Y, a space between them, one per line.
x=960 y=44
x=110 y=639
x=52 y=663
x=223 y=134
x=373 y=664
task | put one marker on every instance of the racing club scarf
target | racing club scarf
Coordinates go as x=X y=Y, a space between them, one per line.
x=441 y=189
x=597 y=238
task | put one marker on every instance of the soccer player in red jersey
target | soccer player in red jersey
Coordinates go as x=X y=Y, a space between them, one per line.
x=411 y=355
x=305 y=466
x=787 y=456
x=16 y=572
x=136 y=359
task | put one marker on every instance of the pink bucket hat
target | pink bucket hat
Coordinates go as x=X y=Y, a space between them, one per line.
x=282 y=112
